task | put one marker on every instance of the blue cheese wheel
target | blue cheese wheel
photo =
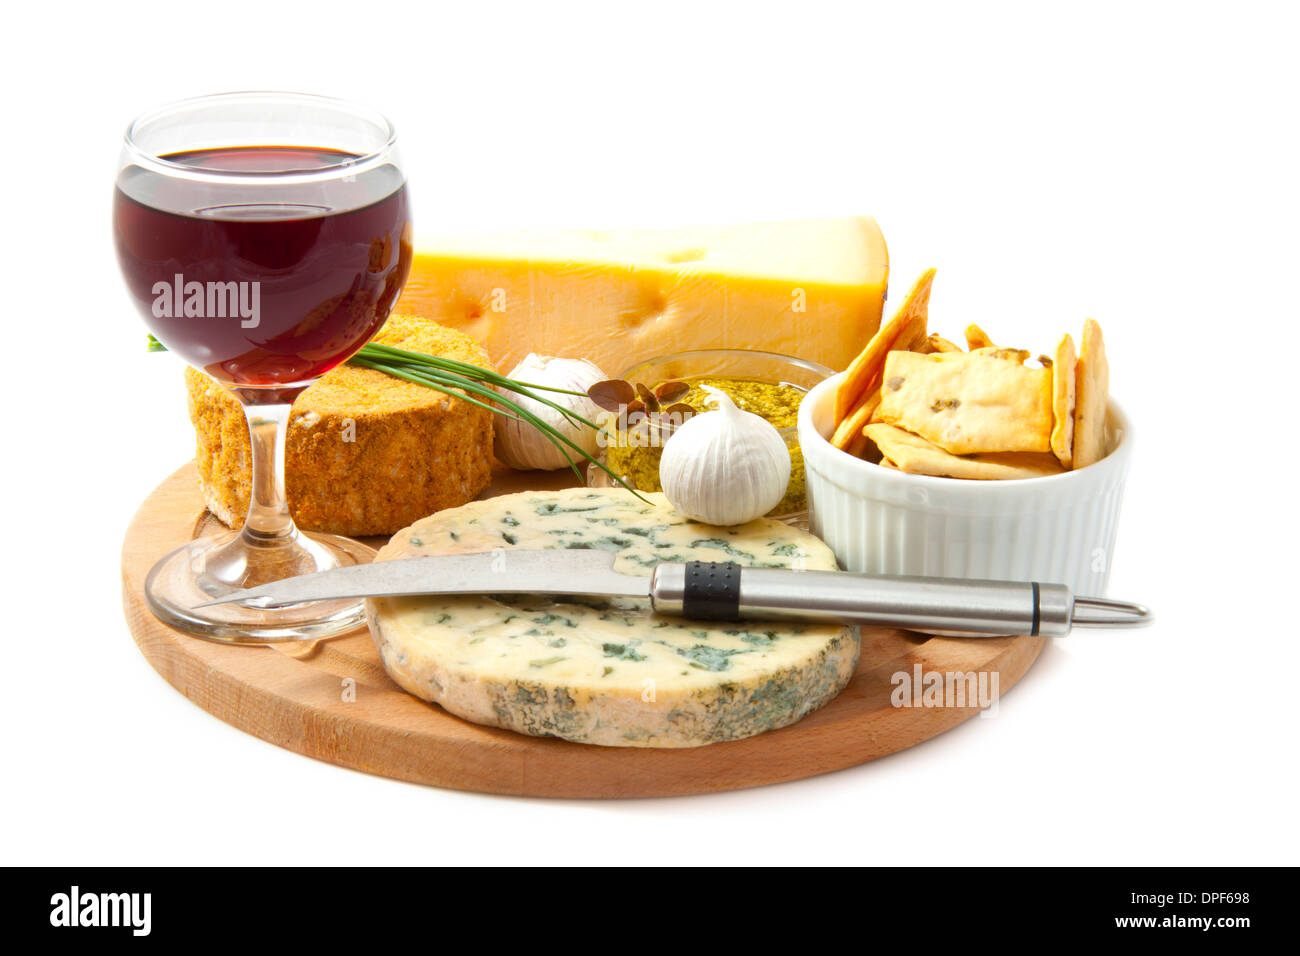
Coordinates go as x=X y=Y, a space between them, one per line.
x=607 y=670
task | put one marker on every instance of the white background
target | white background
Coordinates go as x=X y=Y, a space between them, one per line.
x=1133 y=162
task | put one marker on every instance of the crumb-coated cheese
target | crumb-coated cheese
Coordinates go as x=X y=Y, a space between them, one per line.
x=607 y=670
x=365 y=453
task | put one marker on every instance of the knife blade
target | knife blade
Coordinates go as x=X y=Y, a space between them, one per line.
x=724 y=591
x=487 y=572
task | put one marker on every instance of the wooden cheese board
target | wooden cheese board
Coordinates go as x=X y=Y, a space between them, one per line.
x=332 y=699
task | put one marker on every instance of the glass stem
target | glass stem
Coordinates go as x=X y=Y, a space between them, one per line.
x=268 y=523
x=269 y=547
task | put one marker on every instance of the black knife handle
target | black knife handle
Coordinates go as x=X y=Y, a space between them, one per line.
x=712 y=591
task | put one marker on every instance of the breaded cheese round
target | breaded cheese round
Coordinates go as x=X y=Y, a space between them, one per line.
x=599 y=670
x=366 y=453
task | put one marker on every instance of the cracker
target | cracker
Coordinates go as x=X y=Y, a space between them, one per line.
x=906 y=329
x=977 y=338
x=859 y=445
x=1062 y=366
x=968 y=403
x=870 y=452
x=997 y=351
x=915 y=455
x=848 y=430
x=937 y=343
x=1091 y=390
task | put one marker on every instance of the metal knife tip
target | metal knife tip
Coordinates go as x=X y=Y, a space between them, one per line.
x=1104 y=612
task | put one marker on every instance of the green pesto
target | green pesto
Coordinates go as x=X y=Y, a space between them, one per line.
x=776 y=402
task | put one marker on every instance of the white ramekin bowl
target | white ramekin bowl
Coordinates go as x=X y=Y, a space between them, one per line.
x=1059 y=529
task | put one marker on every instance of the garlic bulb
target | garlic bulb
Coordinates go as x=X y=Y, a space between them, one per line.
x=726 y=466
x=520 y=444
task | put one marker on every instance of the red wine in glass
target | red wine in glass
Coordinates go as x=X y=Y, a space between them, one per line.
x=257 y=292
x=263 y=237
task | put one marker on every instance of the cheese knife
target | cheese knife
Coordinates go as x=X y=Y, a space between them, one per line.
x=721 y=591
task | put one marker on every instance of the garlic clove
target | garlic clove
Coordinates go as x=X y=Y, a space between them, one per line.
x=520 y=444
x=725 y=467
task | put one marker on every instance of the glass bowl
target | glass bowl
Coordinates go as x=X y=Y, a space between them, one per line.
x=724 y=363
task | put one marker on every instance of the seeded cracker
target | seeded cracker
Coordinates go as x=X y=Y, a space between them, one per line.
x=968 y=403
x=1011 y=355
x=1092 y=387
x=905 y=330
x=1062 y=366
x=915 y=455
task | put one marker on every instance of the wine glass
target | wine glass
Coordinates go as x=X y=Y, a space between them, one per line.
x=264 y=237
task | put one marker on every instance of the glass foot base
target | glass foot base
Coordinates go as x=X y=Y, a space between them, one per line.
x=215 y=566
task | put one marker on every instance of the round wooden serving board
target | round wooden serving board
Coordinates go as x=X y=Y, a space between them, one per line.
x=332 y=700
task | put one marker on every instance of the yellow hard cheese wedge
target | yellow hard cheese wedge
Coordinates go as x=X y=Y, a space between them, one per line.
x=809 y=288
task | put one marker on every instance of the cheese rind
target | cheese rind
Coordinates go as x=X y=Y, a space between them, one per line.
x=809 y=288
x=607 y=671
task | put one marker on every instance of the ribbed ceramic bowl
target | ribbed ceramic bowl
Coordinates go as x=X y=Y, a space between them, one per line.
x=1057 y=529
